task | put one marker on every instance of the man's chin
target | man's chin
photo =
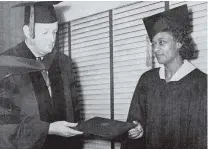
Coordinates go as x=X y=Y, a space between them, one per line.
x=48 y=51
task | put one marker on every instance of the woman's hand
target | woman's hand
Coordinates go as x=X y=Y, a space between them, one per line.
x=136 y=132
x=64 y=129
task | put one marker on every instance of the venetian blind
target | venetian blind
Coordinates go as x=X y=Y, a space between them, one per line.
x=130 y=50
x=91 y=64
x=198 y=15
x=62 y=38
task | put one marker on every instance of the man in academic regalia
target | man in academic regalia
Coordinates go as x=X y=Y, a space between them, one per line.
x=37 y=94
x=169 y=104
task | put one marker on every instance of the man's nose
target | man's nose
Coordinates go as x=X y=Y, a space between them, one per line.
x=52 y=37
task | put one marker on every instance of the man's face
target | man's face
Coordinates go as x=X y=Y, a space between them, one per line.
x=165 y=47
x=45 y=36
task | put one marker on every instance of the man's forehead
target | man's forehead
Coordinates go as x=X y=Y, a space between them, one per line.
x=47 y=25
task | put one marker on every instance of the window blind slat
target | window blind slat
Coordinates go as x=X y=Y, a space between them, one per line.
x=89 y=30
x=89 y=18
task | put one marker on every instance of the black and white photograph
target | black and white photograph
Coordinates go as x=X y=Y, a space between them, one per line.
x=103 y=74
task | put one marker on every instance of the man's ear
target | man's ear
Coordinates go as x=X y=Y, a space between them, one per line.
x=26 y=31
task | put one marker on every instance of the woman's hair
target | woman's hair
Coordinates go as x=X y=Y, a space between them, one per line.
x=188 y=50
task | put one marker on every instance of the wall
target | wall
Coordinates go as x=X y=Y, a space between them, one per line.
x=70 y=10
x=11 y=22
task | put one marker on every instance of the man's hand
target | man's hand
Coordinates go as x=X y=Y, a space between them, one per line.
x=63 y=128
x=136 y=132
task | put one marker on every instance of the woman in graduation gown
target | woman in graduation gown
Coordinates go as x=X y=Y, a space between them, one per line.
x=169 y=103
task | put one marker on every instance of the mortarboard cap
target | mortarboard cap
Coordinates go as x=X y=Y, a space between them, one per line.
x=104 y=128
x=38 y=12
x=175 y=20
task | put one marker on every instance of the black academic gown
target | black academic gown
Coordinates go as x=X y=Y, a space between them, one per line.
x=26 y=108
x=173 y=114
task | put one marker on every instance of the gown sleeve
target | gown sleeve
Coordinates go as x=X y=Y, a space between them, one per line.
x=202 y=122
x=197 y=133
x=137 y=113
x=69 y=88
x=18 y=130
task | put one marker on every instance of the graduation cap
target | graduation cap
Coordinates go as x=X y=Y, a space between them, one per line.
x=175 y=20
x=38 y=12
x=104 y=128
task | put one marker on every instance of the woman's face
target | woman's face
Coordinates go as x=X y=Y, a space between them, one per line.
x=165 y=47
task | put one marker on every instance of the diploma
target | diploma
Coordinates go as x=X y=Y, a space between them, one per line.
x=105 y=128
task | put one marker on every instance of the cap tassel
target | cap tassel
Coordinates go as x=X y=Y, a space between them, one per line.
x=149 y=56
x=32 y=22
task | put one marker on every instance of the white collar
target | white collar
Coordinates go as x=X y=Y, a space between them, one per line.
x=185 y=69
x=39 y=58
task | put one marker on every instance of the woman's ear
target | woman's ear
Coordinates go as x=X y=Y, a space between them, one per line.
x=178 y=45
x=26 y=31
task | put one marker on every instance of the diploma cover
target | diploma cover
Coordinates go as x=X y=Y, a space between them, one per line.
x=105 y=128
